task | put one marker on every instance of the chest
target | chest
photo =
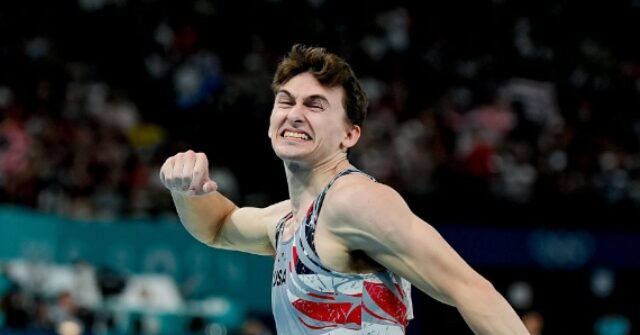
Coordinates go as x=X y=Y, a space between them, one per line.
x=333 y=253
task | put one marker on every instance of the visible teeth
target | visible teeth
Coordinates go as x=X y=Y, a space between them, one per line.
x=296 y=135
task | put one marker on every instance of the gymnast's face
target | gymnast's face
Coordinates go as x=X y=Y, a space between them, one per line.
x=308 y=122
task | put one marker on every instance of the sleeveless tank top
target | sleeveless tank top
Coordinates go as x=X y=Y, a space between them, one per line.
x=309 y=298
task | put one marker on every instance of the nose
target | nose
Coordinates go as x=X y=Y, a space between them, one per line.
x=296 y=114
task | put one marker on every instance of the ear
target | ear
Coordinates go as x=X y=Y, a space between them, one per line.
x=351 y=137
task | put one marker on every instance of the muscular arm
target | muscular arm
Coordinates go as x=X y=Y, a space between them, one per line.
x=374 y=218
x=203 y=216
x=212 y=218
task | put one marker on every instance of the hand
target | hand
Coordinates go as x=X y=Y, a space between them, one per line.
x=187 y=173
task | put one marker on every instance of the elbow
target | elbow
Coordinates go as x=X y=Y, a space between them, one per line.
x=484 y=290
x=478 y=292
x=485 y=286
x=216 y=237
x=218 y=241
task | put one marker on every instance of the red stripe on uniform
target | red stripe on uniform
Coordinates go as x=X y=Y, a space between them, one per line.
x=387 y=301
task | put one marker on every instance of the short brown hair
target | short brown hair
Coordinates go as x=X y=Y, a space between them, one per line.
x=330 y=70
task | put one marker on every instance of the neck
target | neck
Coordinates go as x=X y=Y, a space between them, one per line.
x=305 y=182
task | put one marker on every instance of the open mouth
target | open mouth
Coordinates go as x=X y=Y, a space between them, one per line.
x=296 y=135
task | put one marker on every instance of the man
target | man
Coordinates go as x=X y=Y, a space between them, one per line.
x=344 y=245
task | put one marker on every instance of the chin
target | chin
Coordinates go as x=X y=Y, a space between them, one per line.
x=292 y=156
x=285 y=150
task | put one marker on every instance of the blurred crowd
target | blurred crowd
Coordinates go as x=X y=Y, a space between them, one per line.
x=482 y=110
x=74 y=299
x=472 y=103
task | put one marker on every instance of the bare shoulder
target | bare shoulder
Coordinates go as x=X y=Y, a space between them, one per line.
x=272 y=214
x=356 y=199
x=278 y=209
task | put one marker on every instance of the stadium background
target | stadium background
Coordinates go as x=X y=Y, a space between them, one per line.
x=512 y=127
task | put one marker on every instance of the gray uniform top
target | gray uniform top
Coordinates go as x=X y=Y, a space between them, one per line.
x=309 y=298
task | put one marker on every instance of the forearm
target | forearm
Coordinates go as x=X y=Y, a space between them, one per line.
x=488 y=313
x=203 y=216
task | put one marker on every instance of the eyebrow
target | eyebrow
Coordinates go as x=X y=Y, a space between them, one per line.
x=308 y=99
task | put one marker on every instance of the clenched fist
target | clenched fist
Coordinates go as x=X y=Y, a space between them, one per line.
x=187 y=173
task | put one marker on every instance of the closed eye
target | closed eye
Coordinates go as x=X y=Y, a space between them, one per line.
x=316 y=102
x=285 y=103
x=316 y=106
